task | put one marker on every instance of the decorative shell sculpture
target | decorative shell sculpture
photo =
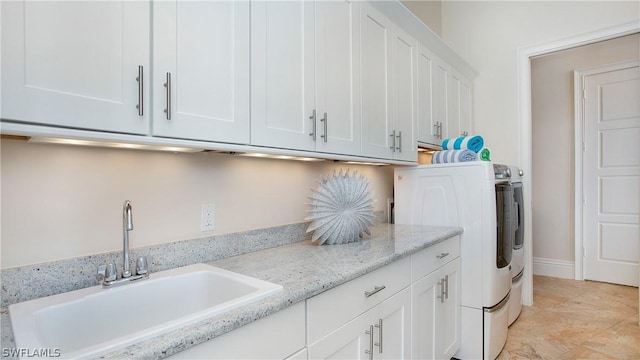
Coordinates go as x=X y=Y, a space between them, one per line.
x=341 y=209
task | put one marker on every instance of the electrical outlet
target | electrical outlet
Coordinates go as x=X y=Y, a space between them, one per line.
x=207 y=217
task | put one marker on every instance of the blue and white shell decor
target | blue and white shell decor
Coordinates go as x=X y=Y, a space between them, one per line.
x=341 y=209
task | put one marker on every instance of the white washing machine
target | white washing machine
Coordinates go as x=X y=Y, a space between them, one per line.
x=478 y=197
x=517 y=260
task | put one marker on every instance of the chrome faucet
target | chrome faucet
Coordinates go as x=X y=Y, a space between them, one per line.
x=108 y=274
x=127 y=225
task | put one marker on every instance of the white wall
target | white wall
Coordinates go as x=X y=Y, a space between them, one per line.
x=62 y=201
x=553 y=140
x=487 y=34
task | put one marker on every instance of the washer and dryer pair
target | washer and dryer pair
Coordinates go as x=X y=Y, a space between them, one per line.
x=482 y=198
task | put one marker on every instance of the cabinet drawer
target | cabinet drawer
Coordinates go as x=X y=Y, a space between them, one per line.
x=335 y=307
x=433 y=257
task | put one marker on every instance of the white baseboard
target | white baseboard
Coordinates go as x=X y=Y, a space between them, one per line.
x=554 y=267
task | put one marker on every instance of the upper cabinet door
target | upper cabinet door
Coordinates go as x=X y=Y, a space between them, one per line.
x=282 y=73
x=440 y=96
x=427 y=126
x=76 y=64
x=404 y=96
x=337 y=34
x=376 y=83
x=459 y=102
x=466 y=106
x=453 y=101
x=201 y=70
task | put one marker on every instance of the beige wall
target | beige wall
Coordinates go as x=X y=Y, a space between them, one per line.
x=63 y=201
x=553 y=140
x=430 y=12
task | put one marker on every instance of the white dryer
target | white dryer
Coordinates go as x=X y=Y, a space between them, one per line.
x=478 y=197
x=517 y=262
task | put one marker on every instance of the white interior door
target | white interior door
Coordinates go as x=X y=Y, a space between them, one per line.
x=611 y=169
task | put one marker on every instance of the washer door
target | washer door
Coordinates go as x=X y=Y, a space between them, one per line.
x=519 y=205
x=505 y=223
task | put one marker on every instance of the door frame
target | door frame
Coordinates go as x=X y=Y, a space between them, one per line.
x=579 y=125
x=523 y=70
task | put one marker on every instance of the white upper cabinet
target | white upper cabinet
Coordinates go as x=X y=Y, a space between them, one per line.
x=305 y=58
x=282 y=82
x=201 y=70
x=404 y=96
x=459 y=105
x=440 y=99
x=76 y=64
x=388 y=88
x=338 y=77
x=444 y=100
x=427 y=126
x=376 y=83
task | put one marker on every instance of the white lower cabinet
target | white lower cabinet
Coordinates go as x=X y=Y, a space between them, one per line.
x=382 y=332
x=436 y=313
x=409 y=309
x=277 y=336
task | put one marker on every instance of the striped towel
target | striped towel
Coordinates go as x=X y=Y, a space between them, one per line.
x=473 y=143
x=450 y=156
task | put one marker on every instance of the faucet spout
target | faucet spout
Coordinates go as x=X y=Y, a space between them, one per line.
x=127 y=225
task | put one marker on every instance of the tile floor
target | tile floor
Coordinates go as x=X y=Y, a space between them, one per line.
x=576 y=320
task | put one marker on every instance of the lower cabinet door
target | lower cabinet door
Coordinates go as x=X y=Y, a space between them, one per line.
x=448 y=320
x=436 y=313
x=350 y=341
x=392 y=336
x=424 y=293
x=383 y=332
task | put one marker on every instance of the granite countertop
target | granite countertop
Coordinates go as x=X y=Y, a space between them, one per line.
x=303 y=269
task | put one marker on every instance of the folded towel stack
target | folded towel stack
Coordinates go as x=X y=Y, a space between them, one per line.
x=474 y=143
x=462 y=149
x=451 y=156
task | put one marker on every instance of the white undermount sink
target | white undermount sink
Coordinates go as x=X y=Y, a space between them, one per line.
x=88 y=322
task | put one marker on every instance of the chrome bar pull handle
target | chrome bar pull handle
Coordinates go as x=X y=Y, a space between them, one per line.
x=167 y=85
x=379 y=343
x=393 y=141
x=313 y=126
x=442 y=255
x=324 y=120
x=376 y=289
x=441 y=296
x=435 y=130
x=446 y=286
x=140 y=80
x=399 y=141
x=370 y=350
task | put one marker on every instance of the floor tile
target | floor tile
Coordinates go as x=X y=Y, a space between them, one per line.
x=576 y=320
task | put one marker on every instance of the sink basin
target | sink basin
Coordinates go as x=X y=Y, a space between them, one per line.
x=91 y=321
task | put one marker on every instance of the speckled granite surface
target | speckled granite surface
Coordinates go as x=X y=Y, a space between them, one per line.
x=35 y=281
x=303 y=269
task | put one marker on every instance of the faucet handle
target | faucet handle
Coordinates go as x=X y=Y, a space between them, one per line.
x=100 y=273
x=111 y=272
x=142 y=267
